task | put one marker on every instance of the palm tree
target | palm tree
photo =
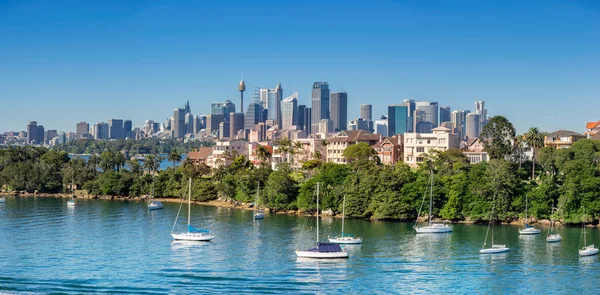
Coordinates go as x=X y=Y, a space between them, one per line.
x=535 y=139
x=94 y=161
x=263 y=154
x=106 y=161
x=519 y=145
x=174 y=156
x=119 y=160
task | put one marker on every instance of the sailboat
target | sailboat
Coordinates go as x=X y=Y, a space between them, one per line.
x=587 y=250
x=71 y=202
x=495 y=248
x=192 y=234
x=322 y=250
x=553 y=237
x=528 y=230
x=345 y=238
x=154 y=205
x=432 y=226
x=258 y=214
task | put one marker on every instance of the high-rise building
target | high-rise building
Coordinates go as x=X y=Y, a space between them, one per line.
x=40 y=134
x=473 y=125
x=410 y=105
x=360 y=124
x=300 y=122
x=224 y=130
x=242 y=88
x=82 y=128
x=458 y=118
x=397 y=120
x=444 y=115
x=339 y=110
x=101 y=131
x=289 y=112
x=189 y=123
x=271 y=99
x=178 y=126
x=236 y=123
x=366 y=112
x=127 y=128
x=115 y=127
x=213 y=124
x=320 y=104
x=253 y=116
x=32 y=132
x=430 y=112
x=325 y=126
x=51 y=134
x=381 y=126
x=308 y=121
x=481 y=111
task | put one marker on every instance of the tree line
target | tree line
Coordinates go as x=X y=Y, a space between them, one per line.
x=565 y=179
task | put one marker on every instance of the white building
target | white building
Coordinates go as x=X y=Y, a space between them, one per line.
x=289 y=109
x=225 y=151
x=338 y=143
x=416 y=145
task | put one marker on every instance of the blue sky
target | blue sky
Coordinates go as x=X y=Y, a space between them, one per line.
x=66 y=61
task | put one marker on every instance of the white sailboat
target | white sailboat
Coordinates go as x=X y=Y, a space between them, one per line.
x=528 y=230
x=345 y=238
x=586 y=250
x=432 y=226
x=154 y=205
x=258 y=214
x=322 y=250
x=71 y=202
x=191 y=234
x=495 y=248
x=553 y=237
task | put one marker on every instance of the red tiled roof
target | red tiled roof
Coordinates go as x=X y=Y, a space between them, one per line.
x=592 y=125
x=201 y=154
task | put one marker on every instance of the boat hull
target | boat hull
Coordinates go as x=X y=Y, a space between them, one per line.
x=588 y=251
x=530 y=231
x=553 y=238
x=259 y=216
x=321 y=255
x=155 y=206
x=192 y=237
x=494 y=250
x=346 y=240
x=433 y=230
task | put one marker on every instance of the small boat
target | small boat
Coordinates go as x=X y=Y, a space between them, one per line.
x=345 y=238
x=432 y=227
x=528 y=230
x=192 y=234
x=553 y=237
x=495 y=248
x=258 y=214
x=154 y=205
x=586 y=250
x=322 y=250
x=71 y=203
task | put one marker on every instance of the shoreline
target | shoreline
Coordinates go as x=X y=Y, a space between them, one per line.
x=246 y=206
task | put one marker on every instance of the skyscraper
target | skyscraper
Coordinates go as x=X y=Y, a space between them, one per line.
x=410 y=105
x=213 y=123
x=308 y=120
x=366 y=112
x=320 y=104
x=271 y=99
x=430 y=110
x=482 y=112
x=444 y=114
x=242 y=88
x=81 y=128
x=32 y=132
x=253 y=115
x=101 y=131
x=236 y=123
x=127 y=128
x=458 y=118
x=178 y=126
x=224 y=130
x=339 y=110
x=473 y=125
x=289 y=109
x=40 y=135
x=381 y=126
x=301 y=123
x=228 y=108
x=359 y=124
x=115 y=129
x=325 y=126
x=397 y=121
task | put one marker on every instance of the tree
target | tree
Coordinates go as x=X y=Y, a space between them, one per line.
x=497 y=137
x=535 y=140
x=263 y=154
x=360 y=152
x=174 y=156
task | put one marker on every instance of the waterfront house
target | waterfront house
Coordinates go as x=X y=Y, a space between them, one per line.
x=562 y=139
x=416 y=145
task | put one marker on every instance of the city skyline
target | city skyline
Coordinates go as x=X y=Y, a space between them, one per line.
x=73 y=59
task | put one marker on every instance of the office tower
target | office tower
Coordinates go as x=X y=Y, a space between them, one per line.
x=115 y=129
x=410 y=105
x=155 y=127
x=381 y=126
x=81 y=128
x=127 y=128
x=236 y=123
x=458 y=118
x=101 y=131
x=148 y=125
x=366 y=112
x=279 y=92
x=430 y=110
x=242 y=88
x=62 y=138
x=187 y=108
x=481 y=111
x=224 y=130
x=339 y=110
x=360 y=124
x=325 y=126
x=228 y=108
x=444 y=115
x=253 y=115
x=51 y=134
x=420 y=124
x=397 y=120
x=40 y=134
x=308 y=120
x=199 y=123
x=289 y=112
x=32 y=132
x=473 y=125
x=213 y=123
x=320 y=104
x=178 y=126
x=271 y=99
x=301 y=123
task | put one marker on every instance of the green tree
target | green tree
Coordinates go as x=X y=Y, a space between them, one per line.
x=535 y=140
x=174 y=156
x=497 y=137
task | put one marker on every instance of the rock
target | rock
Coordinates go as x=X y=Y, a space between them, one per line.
x=327 y=212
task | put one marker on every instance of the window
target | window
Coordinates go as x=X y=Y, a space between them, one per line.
x=420 y=149
x=419 y=159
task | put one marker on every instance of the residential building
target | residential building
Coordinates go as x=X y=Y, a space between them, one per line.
x=320 y=104
x=474 y=151
x=473 y=125
x=346 y=138
x=592 y=128
x=390 y=149
x=308 y=149
x=416 y=145
x=397 y=119
x=562 y=139
x=339 y=110
x=289 y=112
x=366 y=112
x=200 y=156
x=225 y=151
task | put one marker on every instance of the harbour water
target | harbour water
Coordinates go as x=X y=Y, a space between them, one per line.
x=120 y=247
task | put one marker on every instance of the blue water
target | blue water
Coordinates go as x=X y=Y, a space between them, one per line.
x=119 y=247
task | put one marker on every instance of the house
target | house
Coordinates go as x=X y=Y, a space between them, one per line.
x=225 y=151
x=417 y=145
x=307 y=149
x=562 y=139
x=592 y=128
x=474 y=151
x=200 y=155
x=390 y=149
x=337 y=144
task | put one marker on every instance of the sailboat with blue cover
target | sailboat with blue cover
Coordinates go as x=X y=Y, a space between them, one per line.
x=191 y=234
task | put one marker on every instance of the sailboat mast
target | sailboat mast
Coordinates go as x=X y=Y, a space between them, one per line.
x=431 y=198
x=583 y=228
x=317 y=214
x=526 y=216
x=492 y=218
x=344 y=214
x=189 y=200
